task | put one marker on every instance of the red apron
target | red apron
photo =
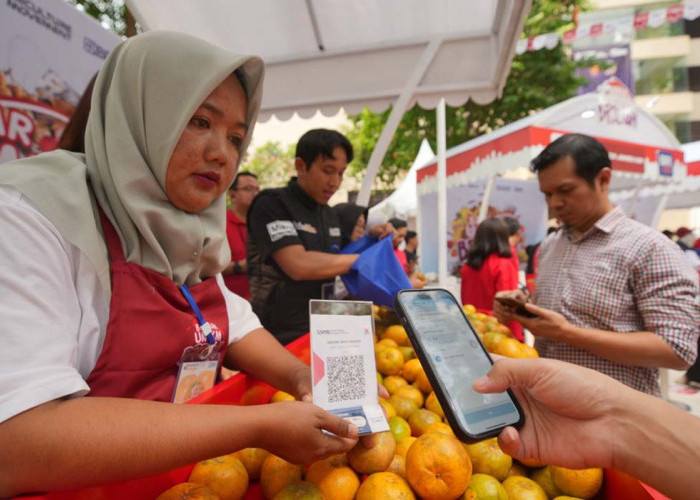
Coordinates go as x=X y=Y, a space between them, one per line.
x=150 y=324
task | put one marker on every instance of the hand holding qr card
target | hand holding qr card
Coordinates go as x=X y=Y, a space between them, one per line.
x=342 y=362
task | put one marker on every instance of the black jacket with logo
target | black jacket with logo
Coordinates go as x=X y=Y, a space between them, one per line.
x=278 y=218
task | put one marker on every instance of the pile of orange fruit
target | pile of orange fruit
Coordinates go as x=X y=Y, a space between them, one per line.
x=419 y=457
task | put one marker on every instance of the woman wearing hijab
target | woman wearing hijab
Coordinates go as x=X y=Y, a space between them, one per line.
x=353 y=221
x=110 y=279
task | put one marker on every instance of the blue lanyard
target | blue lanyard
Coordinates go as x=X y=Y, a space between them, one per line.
x=206 y=328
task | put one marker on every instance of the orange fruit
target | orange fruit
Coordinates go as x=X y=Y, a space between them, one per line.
x=388 y=343
x=421 y=419
x=423 y=383
x=517 y=469
x=501 y=328
x=404 y=407
x=468 y=309
x=398 y=334
x=389 y=361
x=440 y=427
x=543 y=477
x=281 y=396
x=411 y=392
x=513 y=348
x=408 y=352
x=410 y=369
x=252 y=459
x=530 y=462
x=490 y=339
x=488 y=458
x=438 y=467
x=188 y=491
x=479 y=325
x=225 y=475
x=256 y=395
x=393 y=383
x=397 y=466
x=403 y=445
x=389 y=409
x=276 y=473
x=432 y=404
x=399 y=428
x=582 y=483
x=385 y=486
x=485 y=487
x=299 y=490
x=334 y=478
x=374 y=459
x=523 y=488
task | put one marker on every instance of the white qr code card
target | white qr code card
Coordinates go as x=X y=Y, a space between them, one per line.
x=342 y=362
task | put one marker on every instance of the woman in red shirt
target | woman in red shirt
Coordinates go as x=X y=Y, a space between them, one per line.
x=489 y=267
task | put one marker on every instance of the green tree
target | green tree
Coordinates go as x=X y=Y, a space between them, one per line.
x=112 y=14
x=536 y=81
x=272 y=163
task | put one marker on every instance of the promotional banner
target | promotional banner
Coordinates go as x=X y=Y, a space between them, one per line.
x=612 y=60
x=521 y=200
x=524 y=202
x=49 y=51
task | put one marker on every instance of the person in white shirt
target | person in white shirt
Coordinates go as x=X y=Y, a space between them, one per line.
x=110 y=278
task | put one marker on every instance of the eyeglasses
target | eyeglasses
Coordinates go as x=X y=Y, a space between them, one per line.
x=248 y=189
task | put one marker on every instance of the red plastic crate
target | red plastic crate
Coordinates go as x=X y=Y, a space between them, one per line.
x=243 y=390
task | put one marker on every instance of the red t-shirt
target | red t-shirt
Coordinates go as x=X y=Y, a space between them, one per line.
x=403 y=259
x=237 y=238
x=514 y=258
x=480 y=286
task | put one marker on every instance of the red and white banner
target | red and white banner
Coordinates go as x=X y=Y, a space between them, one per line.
x=651 y=19
x=49 y=51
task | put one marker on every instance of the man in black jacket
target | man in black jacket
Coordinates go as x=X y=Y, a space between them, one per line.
x=294 y=237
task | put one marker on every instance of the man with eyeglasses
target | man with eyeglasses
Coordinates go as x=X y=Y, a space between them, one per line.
x=244 y=188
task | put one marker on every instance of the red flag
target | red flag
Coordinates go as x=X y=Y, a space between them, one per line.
x=569 y=36
x=641 y=20
x=674 y=13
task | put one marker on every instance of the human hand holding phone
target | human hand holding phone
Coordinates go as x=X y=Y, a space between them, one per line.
x=515 y=304
x=453 y=357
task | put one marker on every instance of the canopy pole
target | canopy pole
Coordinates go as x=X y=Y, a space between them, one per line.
x=392 y=123
x=659 y=209
x=484 y=208
x=441 y=192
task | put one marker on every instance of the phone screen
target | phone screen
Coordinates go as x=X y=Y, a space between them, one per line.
x=452 y=349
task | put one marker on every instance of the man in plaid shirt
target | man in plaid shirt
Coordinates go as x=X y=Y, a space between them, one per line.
x=611 y=294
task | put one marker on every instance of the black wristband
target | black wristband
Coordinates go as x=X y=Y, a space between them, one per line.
x=237 y=269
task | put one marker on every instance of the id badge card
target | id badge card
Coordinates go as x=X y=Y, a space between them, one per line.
x=199 y=365
x=342 y=362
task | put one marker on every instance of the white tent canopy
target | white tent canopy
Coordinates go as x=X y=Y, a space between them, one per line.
x=333 y=54
x=403 y=202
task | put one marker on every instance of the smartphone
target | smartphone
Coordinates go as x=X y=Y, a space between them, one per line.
x=453 y=357
x=518 y=306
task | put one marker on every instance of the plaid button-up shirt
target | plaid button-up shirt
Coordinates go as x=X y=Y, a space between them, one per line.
x=620 y=276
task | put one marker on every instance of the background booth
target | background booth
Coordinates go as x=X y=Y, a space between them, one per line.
x=489 y=175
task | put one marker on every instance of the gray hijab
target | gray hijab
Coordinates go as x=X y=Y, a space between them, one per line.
x=145 y=93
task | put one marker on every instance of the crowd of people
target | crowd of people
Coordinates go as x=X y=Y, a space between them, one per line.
x=122 y=263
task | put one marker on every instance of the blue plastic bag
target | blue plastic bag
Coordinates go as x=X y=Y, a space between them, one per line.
x=377 y=274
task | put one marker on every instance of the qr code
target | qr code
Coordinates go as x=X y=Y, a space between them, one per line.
x=346 y=378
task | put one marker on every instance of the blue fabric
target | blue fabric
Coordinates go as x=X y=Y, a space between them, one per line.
x=358 y=246
x=377 y=274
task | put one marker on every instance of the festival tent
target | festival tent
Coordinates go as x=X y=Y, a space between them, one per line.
x=333 y=54
x=648 y=202
x=403 y=202
x=643 y=151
